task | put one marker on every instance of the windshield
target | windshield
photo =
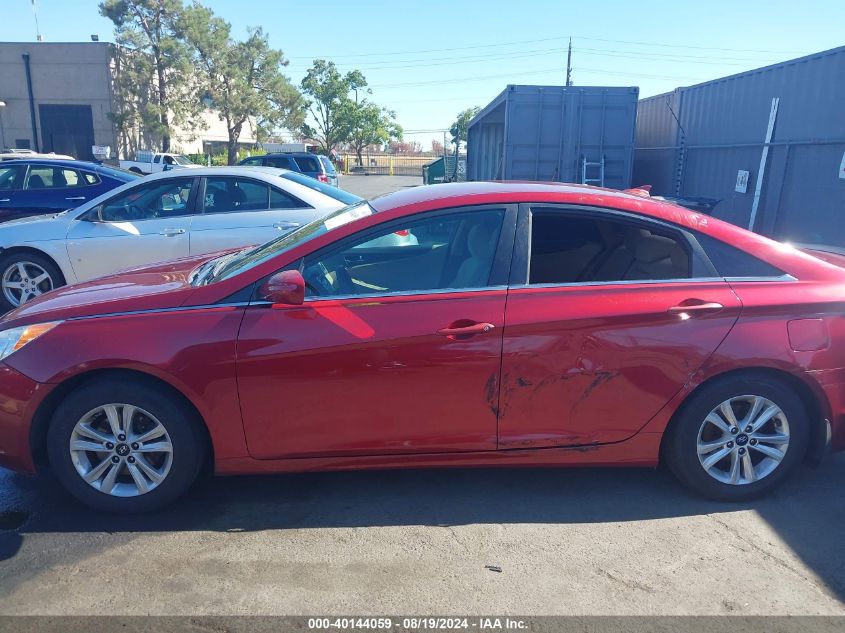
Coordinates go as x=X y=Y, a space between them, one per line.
x=333 y=192
x=235 y=263
x=182 y=160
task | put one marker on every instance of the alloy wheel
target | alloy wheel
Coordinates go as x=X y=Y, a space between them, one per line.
x=743 y=440
x=121 y=450
x=24 y=280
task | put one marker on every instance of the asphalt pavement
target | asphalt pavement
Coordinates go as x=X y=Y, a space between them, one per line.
x=567 y=541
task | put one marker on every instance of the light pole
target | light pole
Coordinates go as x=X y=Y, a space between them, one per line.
x=208 y=102
x=2 y=128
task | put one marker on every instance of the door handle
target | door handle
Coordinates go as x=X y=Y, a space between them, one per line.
x=475 y=328
x=171 y=232
x=76 y=198
x=693 y=309
x=286 y=226
x=5 y=199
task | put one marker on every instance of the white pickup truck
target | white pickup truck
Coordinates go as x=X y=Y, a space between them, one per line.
x=150 y=162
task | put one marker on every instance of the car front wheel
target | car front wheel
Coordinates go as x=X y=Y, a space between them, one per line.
x=738 y=438
x=24 y=276
x=124 y=447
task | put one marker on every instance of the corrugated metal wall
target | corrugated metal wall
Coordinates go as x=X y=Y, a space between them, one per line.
x=542 y=133
x=722 y=130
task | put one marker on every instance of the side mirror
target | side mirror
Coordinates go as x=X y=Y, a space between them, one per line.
x=287 y=287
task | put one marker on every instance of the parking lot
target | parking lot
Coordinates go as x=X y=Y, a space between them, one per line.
x=567 y=542
x=372 y=186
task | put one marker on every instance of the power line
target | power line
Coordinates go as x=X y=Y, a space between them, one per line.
x=661 y=57
x=701 y=48
x=547 y=39
x=533 y=72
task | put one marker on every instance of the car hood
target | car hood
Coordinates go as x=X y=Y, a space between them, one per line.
x=48 y=225
x=153 y=287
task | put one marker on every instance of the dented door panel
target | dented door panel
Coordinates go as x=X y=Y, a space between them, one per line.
x=592 y=364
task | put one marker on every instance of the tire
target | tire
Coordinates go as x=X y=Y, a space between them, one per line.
x=33 y=264
x=135 y=170
x=177 y=469
x=728 y=478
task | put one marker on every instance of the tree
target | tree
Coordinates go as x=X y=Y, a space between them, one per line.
x=367 y=124
x=330 y=104
x=461 y=125
x=437 y=147
x=242 y=80
x=405 y=147
x=155 y=82
x=459 y=131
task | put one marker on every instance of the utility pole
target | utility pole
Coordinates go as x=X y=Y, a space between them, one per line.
x=38 y=36
x=569 y=64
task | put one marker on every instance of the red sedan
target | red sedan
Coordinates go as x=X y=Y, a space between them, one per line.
x=512 y=325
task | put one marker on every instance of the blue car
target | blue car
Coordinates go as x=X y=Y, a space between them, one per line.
x=36 y=186
x=314 y=165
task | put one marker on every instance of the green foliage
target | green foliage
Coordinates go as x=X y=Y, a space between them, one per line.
x=461 y=124
x=330 y=103
x=152 y=68
x=221 y=159
x=244 y=80
x=367 y=124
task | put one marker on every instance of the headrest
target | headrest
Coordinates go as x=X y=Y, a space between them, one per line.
x=655 y=248
x=479 y=240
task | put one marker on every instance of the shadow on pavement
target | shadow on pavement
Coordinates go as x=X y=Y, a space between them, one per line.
x=808 y=512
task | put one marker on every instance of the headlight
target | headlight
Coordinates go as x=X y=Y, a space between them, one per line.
x=14 y=339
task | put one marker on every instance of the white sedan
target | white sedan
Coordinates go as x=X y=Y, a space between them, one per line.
x=161 y=217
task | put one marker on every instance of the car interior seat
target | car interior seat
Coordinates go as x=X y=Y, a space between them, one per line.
x=474 y=271
x=657 y=257
x=36 y=182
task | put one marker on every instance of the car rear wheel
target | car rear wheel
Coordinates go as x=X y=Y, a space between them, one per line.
x=738 y=438
x=24 y=276
x=123 y=447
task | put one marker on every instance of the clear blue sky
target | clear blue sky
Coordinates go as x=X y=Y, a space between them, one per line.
x=429 y=59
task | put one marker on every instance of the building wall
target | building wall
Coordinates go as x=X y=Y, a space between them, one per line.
x=62 y=74
x=544 y=133
x=80 y=74
x=721 y=128
x=212 y=131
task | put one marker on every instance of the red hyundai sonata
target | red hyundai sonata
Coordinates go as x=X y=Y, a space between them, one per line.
x=523 y=325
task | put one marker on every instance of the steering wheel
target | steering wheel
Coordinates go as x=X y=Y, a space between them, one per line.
x=316 y=278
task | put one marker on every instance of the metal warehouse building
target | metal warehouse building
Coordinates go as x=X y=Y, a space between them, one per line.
x=769 y=143
x=569 y=134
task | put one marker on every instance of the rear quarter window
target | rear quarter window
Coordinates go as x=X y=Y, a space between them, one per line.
x=307 y=163
x=730 y=261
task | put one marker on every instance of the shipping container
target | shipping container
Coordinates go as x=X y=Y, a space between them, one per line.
x=579 y=134
x=709 y=140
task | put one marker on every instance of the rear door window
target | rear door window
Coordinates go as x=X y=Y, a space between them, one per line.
x=234 y=195
x=586 y=248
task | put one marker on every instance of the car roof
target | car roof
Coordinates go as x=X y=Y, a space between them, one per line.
x=232 y=170
x=446 y=194
x=54 y=162
x=291 y=154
